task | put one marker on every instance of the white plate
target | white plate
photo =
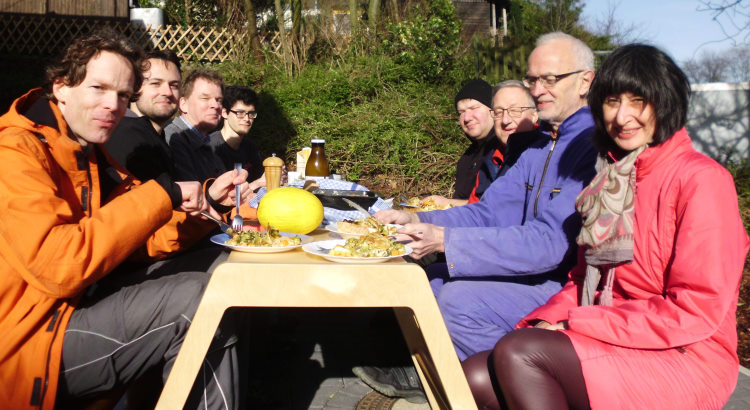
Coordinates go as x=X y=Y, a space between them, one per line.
x=221 y=238
x=333 y=228
x=321 y=248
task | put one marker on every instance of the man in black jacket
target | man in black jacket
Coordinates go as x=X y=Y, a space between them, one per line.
x=138 y=142
x=474 y=107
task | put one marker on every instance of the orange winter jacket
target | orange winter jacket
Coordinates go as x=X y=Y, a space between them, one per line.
x=58 y=236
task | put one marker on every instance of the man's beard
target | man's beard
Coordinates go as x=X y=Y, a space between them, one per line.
x=155 y=115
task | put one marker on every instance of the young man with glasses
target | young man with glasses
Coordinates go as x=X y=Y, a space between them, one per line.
x=231 y=143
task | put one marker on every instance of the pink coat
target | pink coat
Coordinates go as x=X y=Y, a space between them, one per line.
x=669 y=340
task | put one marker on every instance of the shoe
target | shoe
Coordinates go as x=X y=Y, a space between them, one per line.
x=393 y=381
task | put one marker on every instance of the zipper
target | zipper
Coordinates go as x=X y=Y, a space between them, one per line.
x=88 y=191
x=544 y=173
x=53 y=322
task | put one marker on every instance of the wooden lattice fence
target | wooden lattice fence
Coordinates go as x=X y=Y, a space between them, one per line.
x=35 y=35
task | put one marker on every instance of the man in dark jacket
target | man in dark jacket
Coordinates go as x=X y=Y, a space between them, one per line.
x=474 y=107
x=138 y=142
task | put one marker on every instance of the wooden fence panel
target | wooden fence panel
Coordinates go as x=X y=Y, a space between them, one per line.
x=46 y=35
x=98 y=8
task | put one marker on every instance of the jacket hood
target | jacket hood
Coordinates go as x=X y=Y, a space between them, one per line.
x=35 y=113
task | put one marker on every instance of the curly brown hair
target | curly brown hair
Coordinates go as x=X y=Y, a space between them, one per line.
x=71 y=68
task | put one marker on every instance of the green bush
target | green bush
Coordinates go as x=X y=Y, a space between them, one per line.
x=741 y=174
x=388 y=118
x=426 y=45
x=379 y=127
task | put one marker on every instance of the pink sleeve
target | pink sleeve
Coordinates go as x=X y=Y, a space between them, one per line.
x=701 y=283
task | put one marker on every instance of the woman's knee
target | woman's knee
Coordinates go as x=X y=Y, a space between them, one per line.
x=514 y=349
x=478 y=374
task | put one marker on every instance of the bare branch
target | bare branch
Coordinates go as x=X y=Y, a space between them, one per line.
x=618 y=32
x=732 y=16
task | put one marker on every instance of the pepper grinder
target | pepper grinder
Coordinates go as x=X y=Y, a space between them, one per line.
x=273 y=165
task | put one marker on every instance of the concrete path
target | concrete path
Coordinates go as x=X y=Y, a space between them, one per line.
x=302 y=359
x=308 y=358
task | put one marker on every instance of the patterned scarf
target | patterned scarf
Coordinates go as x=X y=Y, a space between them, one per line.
x=607 y=208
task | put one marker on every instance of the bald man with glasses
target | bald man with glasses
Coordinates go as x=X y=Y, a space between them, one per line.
x=512 y=250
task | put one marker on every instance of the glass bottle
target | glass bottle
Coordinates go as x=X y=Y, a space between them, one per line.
x=317 y=164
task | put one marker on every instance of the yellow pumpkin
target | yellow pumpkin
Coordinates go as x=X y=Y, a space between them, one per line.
x=290 y=209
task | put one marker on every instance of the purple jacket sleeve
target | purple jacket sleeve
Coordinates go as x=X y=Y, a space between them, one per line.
x=498 y=236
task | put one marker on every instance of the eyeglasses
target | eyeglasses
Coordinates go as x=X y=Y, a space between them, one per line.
x=513 y=112
x=548 y=81
x=243 y=114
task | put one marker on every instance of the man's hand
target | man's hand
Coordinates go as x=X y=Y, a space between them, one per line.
x=425 y=238
x=260 y=182
x=442 y=201
x=193 y=201
x=222 y=189
x=392 y=216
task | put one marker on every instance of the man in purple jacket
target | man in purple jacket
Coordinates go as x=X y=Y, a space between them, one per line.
x=511 y=251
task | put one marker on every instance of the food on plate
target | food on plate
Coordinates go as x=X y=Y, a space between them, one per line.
x=369 y=246
x=270 y=238
x=363 y=226
x=290 y=209
x=426 y=205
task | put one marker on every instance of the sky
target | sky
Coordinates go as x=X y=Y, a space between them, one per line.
x=675 y=26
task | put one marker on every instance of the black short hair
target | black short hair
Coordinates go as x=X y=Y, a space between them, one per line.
x=165 y=55
x=646 y=72
x=234 y=93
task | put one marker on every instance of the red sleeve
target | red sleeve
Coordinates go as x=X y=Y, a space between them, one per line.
x=473 y=196
x=701 y=283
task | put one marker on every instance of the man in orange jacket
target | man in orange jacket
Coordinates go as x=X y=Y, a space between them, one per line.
x=73 y=323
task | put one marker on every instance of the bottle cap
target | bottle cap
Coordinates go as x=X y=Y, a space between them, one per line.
x=318 y=141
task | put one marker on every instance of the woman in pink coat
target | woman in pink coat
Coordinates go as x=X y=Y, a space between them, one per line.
x=647 y=319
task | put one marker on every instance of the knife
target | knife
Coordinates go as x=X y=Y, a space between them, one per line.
x=357 y=207
x=223 y=226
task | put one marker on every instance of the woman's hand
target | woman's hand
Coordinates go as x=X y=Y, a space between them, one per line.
x=393 y=216
x=425 y=238
x=563 y=324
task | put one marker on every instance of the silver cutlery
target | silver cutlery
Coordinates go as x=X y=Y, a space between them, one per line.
x=237 y=221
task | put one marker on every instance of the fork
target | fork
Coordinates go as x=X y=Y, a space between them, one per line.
x=237 y=221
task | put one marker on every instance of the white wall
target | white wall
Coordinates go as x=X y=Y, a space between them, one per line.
x=719 y=120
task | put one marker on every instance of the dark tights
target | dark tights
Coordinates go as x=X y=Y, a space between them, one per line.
x=528 y=369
